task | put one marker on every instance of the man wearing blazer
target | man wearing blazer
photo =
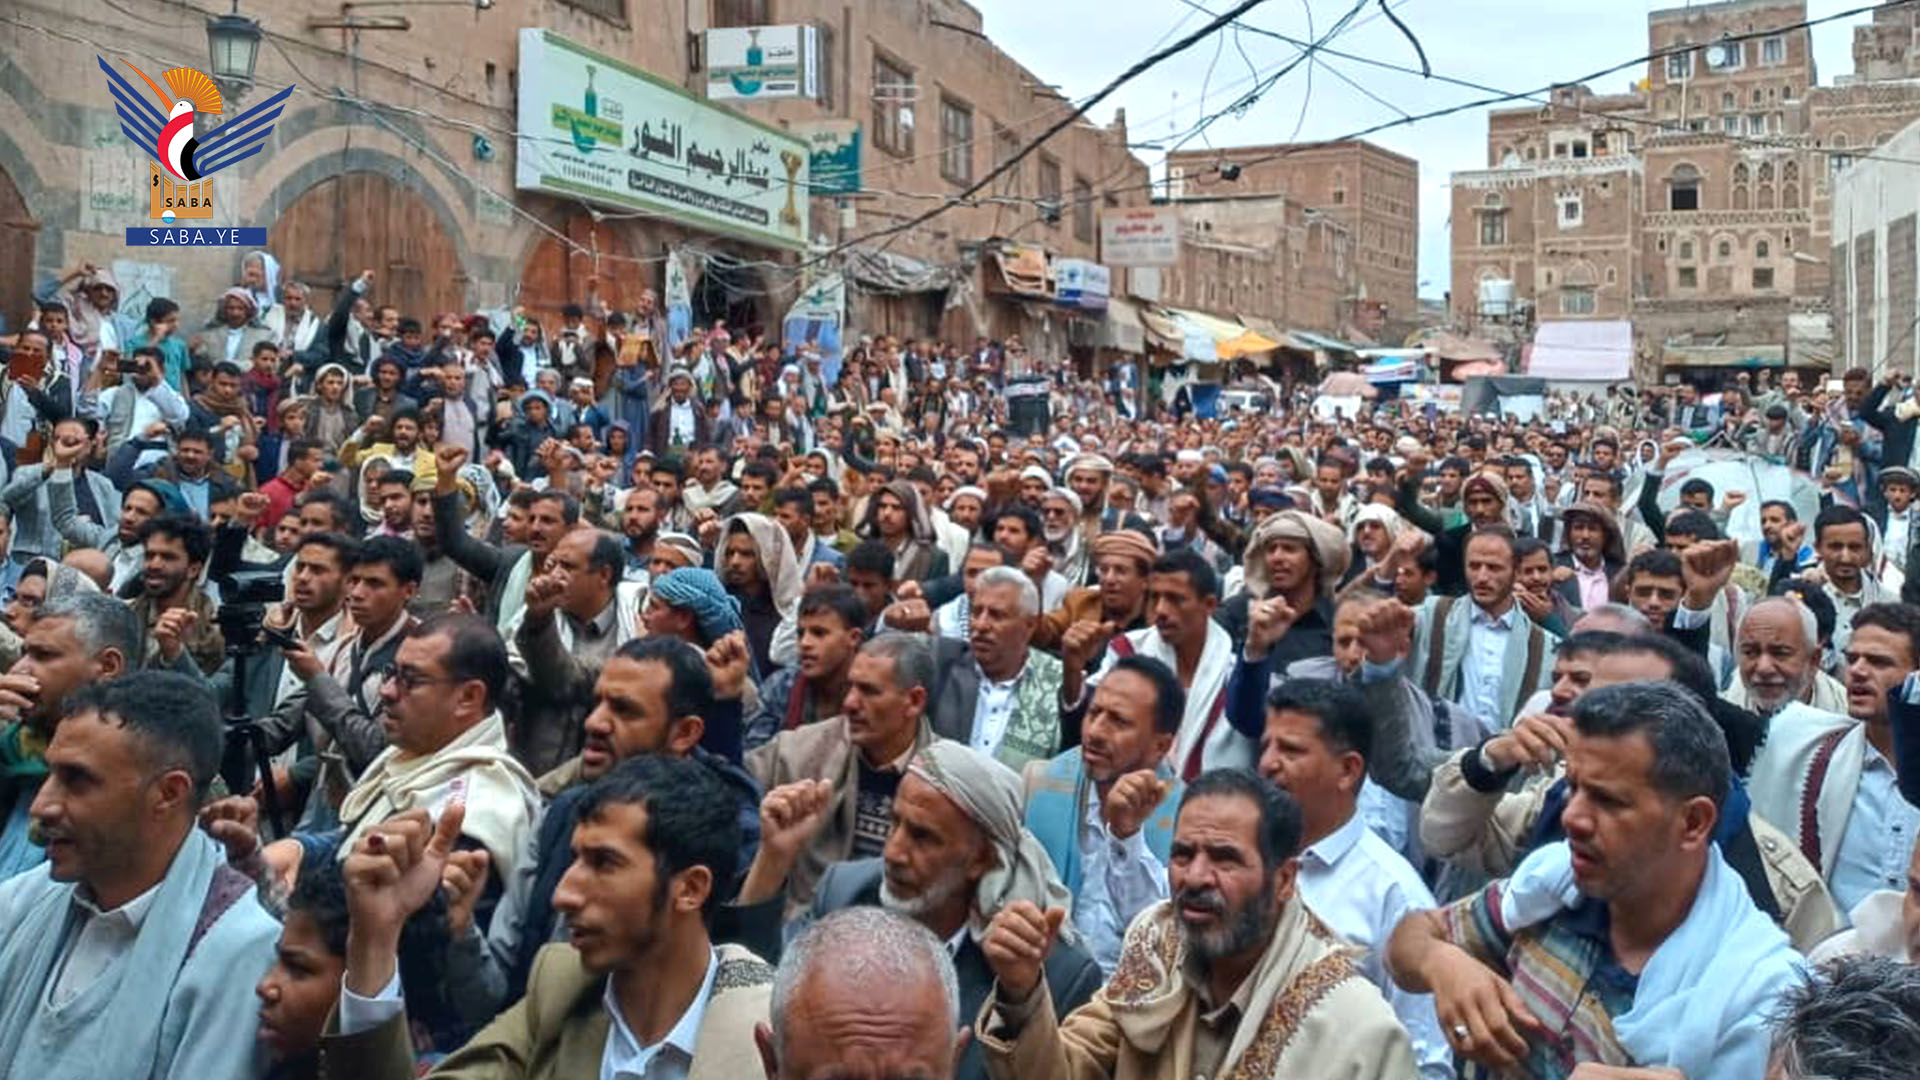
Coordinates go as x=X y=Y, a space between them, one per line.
x=663 y=833
x=1480 y=651
x=1593 y=552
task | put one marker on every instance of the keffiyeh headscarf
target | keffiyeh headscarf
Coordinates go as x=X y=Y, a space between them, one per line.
x=1325 y=540
x=700 y=592
x=989 y=794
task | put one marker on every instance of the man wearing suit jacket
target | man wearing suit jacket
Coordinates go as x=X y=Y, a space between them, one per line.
x=680 y=424
x=231 y=336
x=1593 y=553
x=663 y=833
x=957 y=857
x=995 y=692
x=1895 y=422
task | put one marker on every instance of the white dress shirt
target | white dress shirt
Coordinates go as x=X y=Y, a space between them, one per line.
x=1898 y=535
x=993 y=710
x=1361 y=889
x=1118 y=880
x=1485 y=663
x=103 y=938
x=680 y=423
x=623 y=1057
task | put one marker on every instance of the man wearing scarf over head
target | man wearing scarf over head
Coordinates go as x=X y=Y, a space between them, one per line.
x=959 y=854
x=1483 y=496
x=1298 y=557
x=232 y=332
x=757 y=564
x=1232 y=977
x=896 y=517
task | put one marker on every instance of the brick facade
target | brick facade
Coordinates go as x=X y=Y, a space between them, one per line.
x=1727 y=150
x=478 y=242
x=1371 y=191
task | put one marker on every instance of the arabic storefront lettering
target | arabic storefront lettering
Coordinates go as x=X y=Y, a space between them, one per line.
x=599 y=129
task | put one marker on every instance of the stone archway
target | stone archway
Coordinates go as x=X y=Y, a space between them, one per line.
x=19 y=236
x=358 y=221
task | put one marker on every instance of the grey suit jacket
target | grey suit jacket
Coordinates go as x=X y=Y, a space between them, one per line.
x=1071 y=975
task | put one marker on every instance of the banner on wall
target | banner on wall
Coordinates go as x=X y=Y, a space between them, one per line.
x=815 y=318
x=679 y=301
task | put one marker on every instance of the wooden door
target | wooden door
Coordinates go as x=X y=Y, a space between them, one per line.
x=556 y=274
x=19 y=234
x=364 y=221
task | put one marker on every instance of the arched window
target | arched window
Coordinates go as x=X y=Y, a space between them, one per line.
x=1762 y=249
x=1765 y=201
x=1766 y=172
x=1740 y=198
x=1790 y=186
x=1683 y=187
x=1740 y=173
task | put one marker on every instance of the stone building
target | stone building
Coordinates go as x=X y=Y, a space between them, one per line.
x=396 y=153
x=1371 y=191
x=1696 y=204
x=1265 y=257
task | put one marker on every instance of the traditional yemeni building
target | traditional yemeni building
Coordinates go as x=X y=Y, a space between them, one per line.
x=1371 y=191
x=1697 y=202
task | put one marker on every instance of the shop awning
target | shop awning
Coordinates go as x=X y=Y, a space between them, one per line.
x=1307 y=339
x=1122 y=328
x=890 y=272
x=1392 y=370
x=1597 y=351
x=1729 y=356
x=1467 y=369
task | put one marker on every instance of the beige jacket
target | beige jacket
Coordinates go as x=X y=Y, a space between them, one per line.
x=1484 y=832
x=1323 y=1021
x=559 y=1030
x=818 y=751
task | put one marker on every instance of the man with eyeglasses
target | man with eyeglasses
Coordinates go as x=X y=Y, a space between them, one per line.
x=439 y=702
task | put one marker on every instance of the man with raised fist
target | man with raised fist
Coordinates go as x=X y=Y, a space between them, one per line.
x=1233 y=976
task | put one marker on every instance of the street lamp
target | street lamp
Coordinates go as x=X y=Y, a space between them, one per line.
x=233 y=44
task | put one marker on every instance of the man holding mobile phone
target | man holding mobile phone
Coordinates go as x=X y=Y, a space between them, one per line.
x=136 y=403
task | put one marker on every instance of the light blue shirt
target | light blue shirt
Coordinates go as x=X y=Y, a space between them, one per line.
x=1118 y=880
x=670 y=1058
x=1878 y=843
x=1361 y=889
x=1485 y=664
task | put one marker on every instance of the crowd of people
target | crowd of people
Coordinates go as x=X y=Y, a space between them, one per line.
x=390 y=691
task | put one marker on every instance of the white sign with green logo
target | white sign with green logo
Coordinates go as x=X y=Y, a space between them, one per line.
x=757 y=62
x=596 y=128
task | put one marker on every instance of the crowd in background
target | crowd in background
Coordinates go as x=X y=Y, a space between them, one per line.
x=513 y=696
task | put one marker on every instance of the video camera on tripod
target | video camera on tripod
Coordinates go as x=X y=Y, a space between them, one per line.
x=244 y=596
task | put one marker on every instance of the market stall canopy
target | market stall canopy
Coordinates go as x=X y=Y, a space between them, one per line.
x=1392 y=370
x=1347 y=384
x=1586 y=351
x=890 y=272
x=1460 y=350
x=1504 y=395
x=1122 y=329
x=1246 y=344
x=1727 y=356
x=1307 y=339
x=1470 y=369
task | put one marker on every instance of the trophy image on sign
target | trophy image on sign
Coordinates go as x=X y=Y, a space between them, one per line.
x=790 y=214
